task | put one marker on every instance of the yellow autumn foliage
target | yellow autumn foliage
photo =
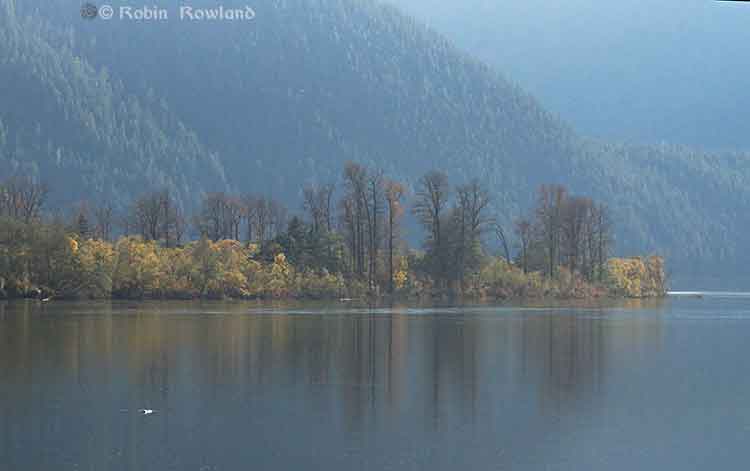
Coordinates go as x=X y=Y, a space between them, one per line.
x=637 y=277
x=401 y=272
x=318 y=285
x=46 y=261
x=138 y=269
x=500 y=279
x=95 y=260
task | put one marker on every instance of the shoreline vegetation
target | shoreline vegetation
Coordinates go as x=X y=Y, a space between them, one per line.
x=345 y=248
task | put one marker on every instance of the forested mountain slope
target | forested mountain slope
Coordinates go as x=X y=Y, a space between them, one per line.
x=285 y=99
x=314 y=83
x=78 y=130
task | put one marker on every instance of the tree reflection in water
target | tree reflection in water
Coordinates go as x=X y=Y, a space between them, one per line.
x=235 y=384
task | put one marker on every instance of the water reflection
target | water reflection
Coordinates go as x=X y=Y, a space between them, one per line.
x=234 y=389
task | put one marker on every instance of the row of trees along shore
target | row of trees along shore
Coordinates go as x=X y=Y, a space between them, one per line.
x=347 y=242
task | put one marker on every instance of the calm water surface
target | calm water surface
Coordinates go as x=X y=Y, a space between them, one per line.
x=236 y=387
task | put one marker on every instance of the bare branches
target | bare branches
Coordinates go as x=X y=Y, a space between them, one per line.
x=362 y=210
x=573 y=232
x=104 y=216
x=473 y=200
x=549 y=217
x=317 y=203
x=157 y=216
x=500 y=233
x=432 y=200
x=22 y=198
x=454 y=238
x=525 y=231
x=355 y=214
x=221 y=216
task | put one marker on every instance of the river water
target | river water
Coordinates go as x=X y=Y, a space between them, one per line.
x=236 y=386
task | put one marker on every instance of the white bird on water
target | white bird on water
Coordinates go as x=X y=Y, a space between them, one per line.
x=146 y=411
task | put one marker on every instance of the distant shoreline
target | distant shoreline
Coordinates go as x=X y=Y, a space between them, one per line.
x=711 y=294
x=600 y=295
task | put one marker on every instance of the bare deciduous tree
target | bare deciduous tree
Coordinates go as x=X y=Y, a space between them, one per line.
x=317 y=203
x=104 y=215
x=525 y=232
x=155 y=216
x=22 y=198
x=433 y=192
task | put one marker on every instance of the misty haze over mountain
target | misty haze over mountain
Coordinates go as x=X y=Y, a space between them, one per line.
x=672 y=70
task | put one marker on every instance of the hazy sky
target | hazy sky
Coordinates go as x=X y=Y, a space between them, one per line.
x=635 y=69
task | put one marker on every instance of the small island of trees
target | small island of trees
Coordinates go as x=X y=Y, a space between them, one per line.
x=349 y=245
